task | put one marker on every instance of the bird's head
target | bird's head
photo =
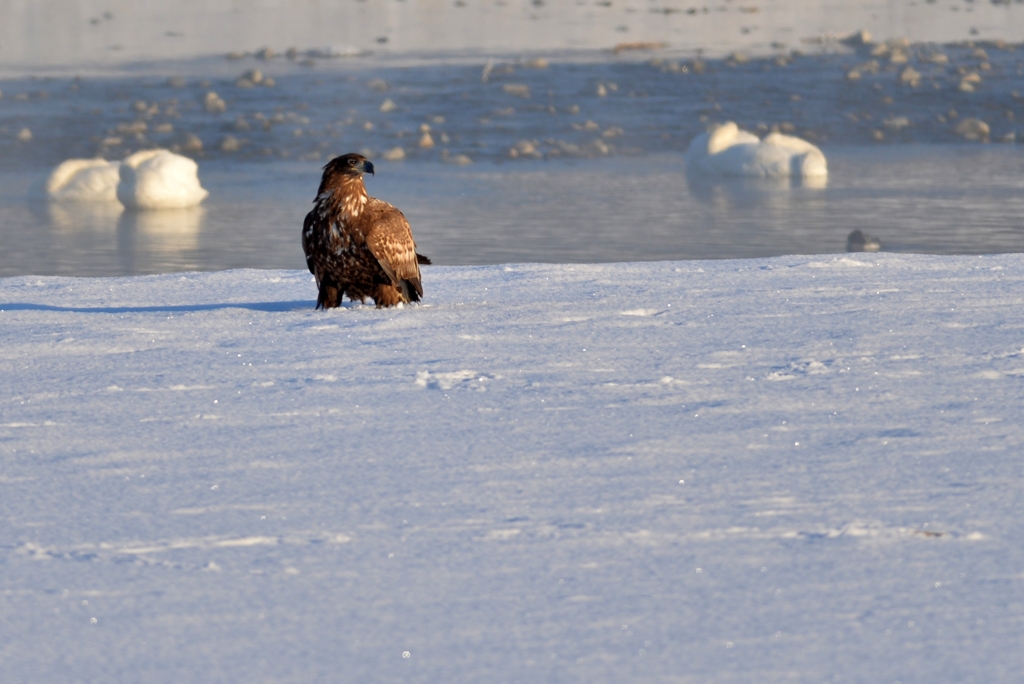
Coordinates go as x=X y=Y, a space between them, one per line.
x=350 y=164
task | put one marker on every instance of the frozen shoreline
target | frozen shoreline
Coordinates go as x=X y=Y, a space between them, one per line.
x=87 y=34
x=763 y=470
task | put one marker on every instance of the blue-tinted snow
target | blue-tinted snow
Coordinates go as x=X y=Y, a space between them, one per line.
x=793 y=469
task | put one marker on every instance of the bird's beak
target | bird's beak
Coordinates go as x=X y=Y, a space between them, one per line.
x=368 y=168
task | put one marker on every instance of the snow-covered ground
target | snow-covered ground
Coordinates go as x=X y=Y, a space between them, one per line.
x=798 y=469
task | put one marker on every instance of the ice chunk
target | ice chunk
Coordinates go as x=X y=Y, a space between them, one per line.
x=726 y=150
x=81 y=180
x=336 y=51
x=158 y=179
x=972 y=129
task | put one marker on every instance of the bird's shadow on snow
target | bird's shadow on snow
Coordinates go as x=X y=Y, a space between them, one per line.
x=269 y=307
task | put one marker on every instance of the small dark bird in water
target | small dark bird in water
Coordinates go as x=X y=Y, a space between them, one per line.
x=859 y=241
x=356 y=245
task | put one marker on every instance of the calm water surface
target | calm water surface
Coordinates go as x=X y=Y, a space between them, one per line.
x=939 y=199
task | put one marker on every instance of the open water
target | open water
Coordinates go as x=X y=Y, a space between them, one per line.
x=602 y=178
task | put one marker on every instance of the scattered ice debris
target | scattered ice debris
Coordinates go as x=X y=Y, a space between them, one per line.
x=81 y=180
x=336 y=51
x=728 y=151
x=633 y=47
x=972 y=129
x=189 y=142
x=250 y=78
x=879 y=92
x=896 y=123
x=159 y=179
x=969 y=82
x=524 y=148
x=230 y=144
x=859 y=241
x=394 y=154
x=213 y=103
x=24 y=135
x=517 y=89
x=910 y=76
x=131 y=128
x=857 y=39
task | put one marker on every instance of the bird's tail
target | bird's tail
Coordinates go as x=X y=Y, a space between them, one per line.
x=412 y=290
x=329 y=296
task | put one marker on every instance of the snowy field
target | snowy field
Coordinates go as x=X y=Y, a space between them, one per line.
x=800 y=469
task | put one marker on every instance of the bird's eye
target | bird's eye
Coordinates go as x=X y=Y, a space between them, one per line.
x=351 y=162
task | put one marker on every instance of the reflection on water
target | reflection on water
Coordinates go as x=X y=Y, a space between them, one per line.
x=71 y=218
x=247 y=224
x=99 y=238
x=166 y=230
x=167 y=236
x=773 y=194
x=942 y=199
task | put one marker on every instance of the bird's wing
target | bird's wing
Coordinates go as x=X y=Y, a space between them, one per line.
x=390 y=240
x=307 y=240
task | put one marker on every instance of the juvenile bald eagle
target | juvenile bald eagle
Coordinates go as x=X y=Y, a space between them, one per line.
x=356 y=245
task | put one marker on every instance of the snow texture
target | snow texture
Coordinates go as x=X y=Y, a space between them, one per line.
x=797 y=469
x=159 y=179
x=80 y=180
x=727 y=151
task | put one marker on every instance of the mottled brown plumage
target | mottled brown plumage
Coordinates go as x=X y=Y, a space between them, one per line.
x=356 y=245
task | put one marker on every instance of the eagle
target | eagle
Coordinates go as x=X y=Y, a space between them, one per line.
x=356 y=245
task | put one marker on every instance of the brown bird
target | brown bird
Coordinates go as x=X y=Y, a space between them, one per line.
x=356 y=245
